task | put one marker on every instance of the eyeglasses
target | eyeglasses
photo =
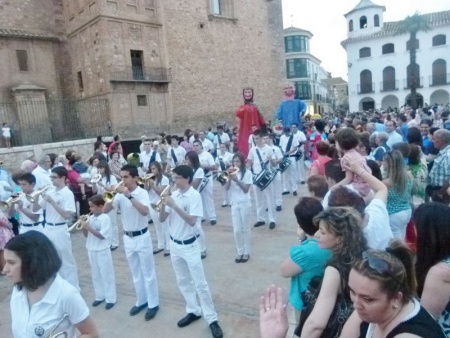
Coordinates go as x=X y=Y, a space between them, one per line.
x=379 y=265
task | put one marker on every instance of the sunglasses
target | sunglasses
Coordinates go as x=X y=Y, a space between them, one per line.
x=379 y=265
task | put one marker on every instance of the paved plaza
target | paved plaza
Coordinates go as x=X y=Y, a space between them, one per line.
x=235 y=288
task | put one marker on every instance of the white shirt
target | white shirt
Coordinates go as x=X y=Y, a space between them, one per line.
x=28 y=206
x=153 y=196
x=276 y=155
x=301 y=138
x=61 y=298
x=237 y=196
x=145 y=158
x=100 y=187
x=378 y=233
x=207 y=145
x=284 y=141
x=394 y=138
x=190 y=202
x=6 y=132
x=224 y=138
x=132 y=220
x=265 y=152
x=206 y=159
x=251 y=142
x=42 y=177
x=64 y=198
x=102 y=224
x=227 y=159
x=180 y=154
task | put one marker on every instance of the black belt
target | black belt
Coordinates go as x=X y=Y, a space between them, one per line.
x=55 y=224
x=186 y=242
x=30 y=224
x=292 y=156
x=135 y=233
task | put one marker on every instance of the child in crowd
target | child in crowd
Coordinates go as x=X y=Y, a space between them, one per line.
x=81 y=167
x=98 y=232
x=317 y=186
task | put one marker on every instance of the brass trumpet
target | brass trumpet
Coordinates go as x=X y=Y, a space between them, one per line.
x=78 y=225
x=144 y=179
x=95 y=180
x=5 y=205
x=62 y=334
x=166 y=192
x=224 y=176
x=109 y=195
x=33 y=196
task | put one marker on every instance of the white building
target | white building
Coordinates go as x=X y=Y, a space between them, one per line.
x=378 y=59
x=304 y=70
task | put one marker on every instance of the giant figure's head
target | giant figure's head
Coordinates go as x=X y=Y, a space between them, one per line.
x=289 y=91
x=248 y=94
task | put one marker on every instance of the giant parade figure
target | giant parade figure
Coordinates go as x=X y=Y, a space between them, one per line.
x=291 y=110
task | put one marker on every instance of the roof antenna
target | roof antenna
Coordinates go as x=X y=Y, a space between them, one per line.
x=292 y=20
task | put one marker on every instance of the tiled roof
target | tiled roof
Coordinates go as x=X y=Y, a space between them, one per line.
x=391 y=28
x=365 y=4
x=293 y=29
x=16 y=33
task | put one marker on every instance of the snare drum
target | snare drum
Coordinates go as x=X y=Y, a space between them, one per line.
x=298 y=155
x=264 y=178
x=284 y=164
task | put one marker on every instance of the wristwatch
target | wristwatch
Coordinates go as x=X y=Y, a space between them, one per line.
x=130 y=197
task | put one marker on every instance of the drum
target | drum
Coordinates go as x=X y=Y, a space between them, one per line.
x=298 y=155
x=264 y=178
x=285 y=164
x=203 y=183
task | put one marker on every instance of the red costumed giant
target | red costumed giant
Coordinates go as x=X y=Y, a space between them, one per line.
x=250 y=119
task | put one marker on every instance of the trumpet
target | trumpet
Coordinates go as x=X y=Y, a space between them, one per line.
x=78 y=225
x=5 y=205
x=109 y=195
x=62 y=334
x=224 y=176
x=144 y=179
x=166 y=192
x=95 y=180
x=33 y=196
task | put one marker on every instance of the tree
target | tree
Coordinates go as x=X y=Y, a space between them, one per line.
x=412 y=25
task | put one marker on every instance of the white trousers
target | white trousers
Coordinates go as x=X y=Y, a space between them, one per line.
x=209 y=210
x=139 y=253
x=301 y=170
x=61 y=240
x=39 y=228
x=103 y=277
x=114 y=227
x=225 y=195
x=277 y=189
x=201 y=236
x=241 y=227
x=162 y=230
x=265 y=200
x=191 y=280
x=290 y=177
x=398 y=223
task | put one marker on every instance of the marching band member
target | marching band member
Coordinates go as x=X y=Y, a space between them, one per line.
x=145 y=156
x=208 y=164
x=134 y=204
x=220 y=138
x=98 y=232
x=223 y=161
x=155 y=187
x=257 y=159
x=301 y=138
x=176 y=153
x=277 y=157
x=28 y=219
x=42 y=171
x=207 y=145
x=198 y=176
x=289 y=145
x=238 y=185
x=183 y=211
x=59 y=204
x=107 y=183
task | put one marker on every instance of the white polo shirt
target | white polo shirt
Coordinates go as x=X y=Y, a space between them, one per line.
x=277 y=154
x=301 y=138
x=28 y=206
x=64 y=198
x=144 y=158
x=265 y=151
x=153 y=196
x=180 y=154
x=190 y=202
x=61 y=298
x=42 y=177
x=206 y=159
x=237 y=196
x=207 y=145
x=224 y=138
x=284 y=141
x=112 y=182
x=227 y=159
x=102 y=224
x=132 y=220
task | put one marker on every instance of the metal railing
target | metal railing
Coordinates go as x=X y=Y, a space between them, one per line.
x=140 y=74
x=439 y=80
x=407 y=85
x=366 y=88
x=386 y=86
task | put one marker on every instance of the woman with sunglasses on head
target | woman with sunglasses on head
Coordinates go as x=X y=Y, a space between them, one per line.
x=382 y=287
x=433 y=261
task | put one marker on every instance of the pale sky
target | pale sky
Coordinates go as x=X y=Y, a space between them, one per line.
x=325 y=20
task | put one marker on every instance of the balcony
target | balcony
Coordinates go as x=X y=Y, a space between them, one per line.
x=366 y=88
x=388 y=86
x=439 y=80
x=406 y=84
x=140 y=74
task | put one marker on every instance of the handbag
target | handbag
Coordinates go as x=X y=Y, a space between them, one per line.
x=343 y=308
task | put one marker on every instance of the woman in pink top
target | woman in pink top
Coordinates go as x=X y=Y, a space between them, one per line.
x=318 y=166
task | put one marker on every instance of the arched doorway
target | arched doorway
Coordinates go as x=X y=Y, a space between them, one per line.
x=419 y=100
x=366 y=104
x=390 y=101
x=440 y=97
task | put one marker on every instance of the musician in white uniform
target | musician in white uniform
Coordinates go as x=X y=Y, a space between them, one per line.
x=144 y=156
x=42 y=172
x=277 y=157
x=220 y=138
x=258 y=158
x=289 y=145
x=223 y=161
x=208 y=146
x=301 y=145
x=175 y=153
x=28 y=219
x=59 y=204
x=208 y=164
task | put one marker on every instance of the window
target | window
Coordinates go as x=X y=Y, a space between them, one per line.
x=296 y=43
x=303 y=90
x=376 y=20
x=224 y=8
x=362 y=22
x=22 y=60
x=439 y=76
x=365 y=82
x=389 y=82
x=388 y=48
x=350 y=26
x=216 y=7
x=142 y=100
x=80 y=81
x=408 y=44
x=439 y=40
x=413 y=74
x=364 y=52
x=296 y=68
x=136 y=64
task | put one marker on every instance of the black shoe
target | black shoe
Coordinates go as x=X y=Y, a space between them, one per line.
x=216 y=330
x=167 y=253
x=113 y=247
x=188 y=319
x=109 y=305
x=150 y=221
x=136 y=309
x=302 y=182
x=259 y=223
x=245 y=258
x=203 y=220
x=238 y=259
x=294 y=193
x=213 y=222
x=157 y=251
x=279 y=208
x=151 y=313
x=224 y=205
x=97 y=302
x=285 y=193
x=272 y=225
x=203 y=255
